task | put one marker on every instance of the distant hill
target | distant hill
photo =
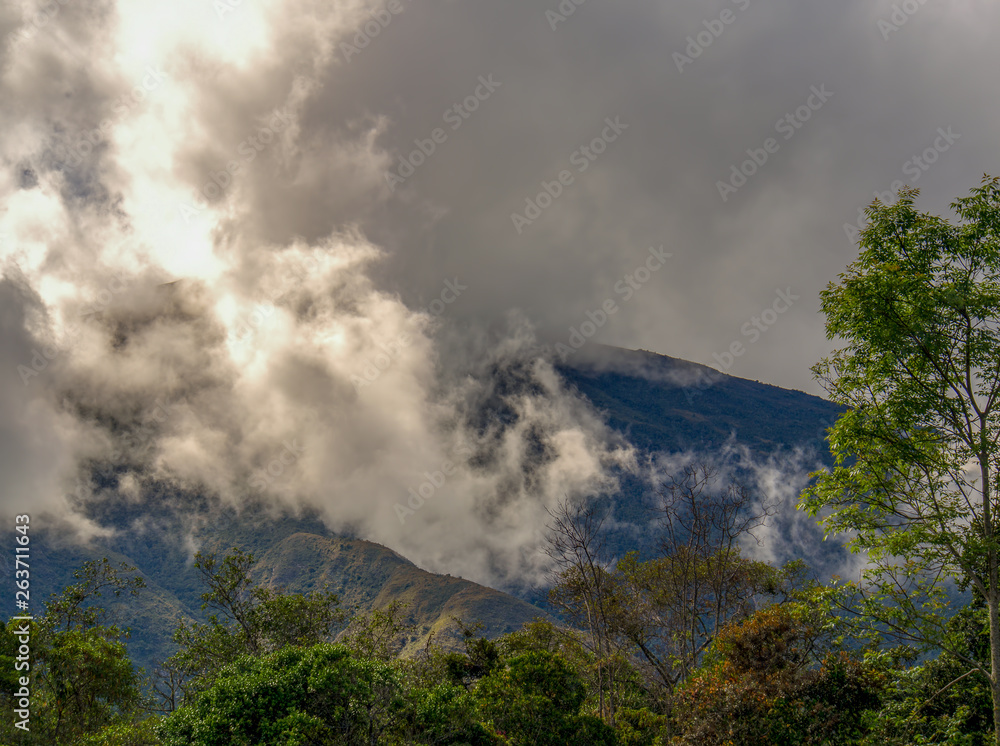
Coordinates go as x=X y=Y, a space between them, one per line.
x=298 y=554
x=367 y=575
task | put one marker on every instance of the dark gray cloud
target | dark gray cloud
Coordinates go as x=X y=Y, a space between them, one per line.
x=656 y=184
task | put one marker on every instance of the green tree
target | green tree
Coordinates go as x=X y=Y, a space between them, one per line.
x=942 y=700
x=246 y=620
x=316 y=696
x=82 y=679
x=8 y=653
x=639 y=717
x=658 y=616
x=536 y=700
x=378 y=634
x=671 y=608
x=916 y=453
x=142 y=733
x=482 y=656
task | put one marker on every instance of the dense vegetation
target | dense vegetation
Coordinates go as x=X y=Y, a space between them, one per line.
x=266 y=670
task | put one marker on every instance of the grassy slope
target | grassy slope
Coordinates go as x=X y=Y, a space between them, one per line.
x=367 y=575
x=363 y=574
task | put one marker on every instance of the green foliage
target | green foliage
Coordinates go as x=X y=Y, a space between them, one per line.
x=918 y=451
x=670 y=607
x=779 y=676
x=442 y=714
x=902 y=719
x=481 y=657
x=648 y=623
x=247 y=619
x=536 y=700
x=641 y=727
x=318 y=695
x=142 y=733
x=8 y=652
x=74 y=608
x=379 y=633
x=634 y=721
x=82 y=680
x=942 y=701
x=274 y=697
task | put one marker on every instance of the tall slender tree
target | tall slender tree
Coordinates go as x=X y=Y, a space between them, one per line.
x=583 y=586
x=916 y=453
x=672 y=606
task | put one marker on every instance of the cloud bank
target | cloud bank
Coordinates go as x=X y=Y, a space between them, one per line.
x=303 y=252
x=190 y=310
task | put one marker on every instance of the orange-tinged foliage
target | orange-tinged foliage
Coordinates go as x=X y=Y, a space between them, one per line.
x=770 y=682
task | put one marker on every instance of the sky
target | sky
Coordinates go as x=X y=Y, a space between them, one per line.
x=281 y=247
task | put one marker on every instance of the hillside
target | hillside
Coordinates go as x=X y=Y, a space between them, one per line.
x=662 y=403
x=297 y=554
x=366 y=575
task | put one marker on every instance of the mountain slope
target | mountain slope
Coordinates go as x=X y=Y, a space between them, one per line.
x=367 y=575
x=297 y=554
x=661 y=403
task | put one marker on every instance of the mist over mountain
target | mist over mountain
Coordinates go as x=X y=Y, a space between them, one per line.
x=664 y=412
